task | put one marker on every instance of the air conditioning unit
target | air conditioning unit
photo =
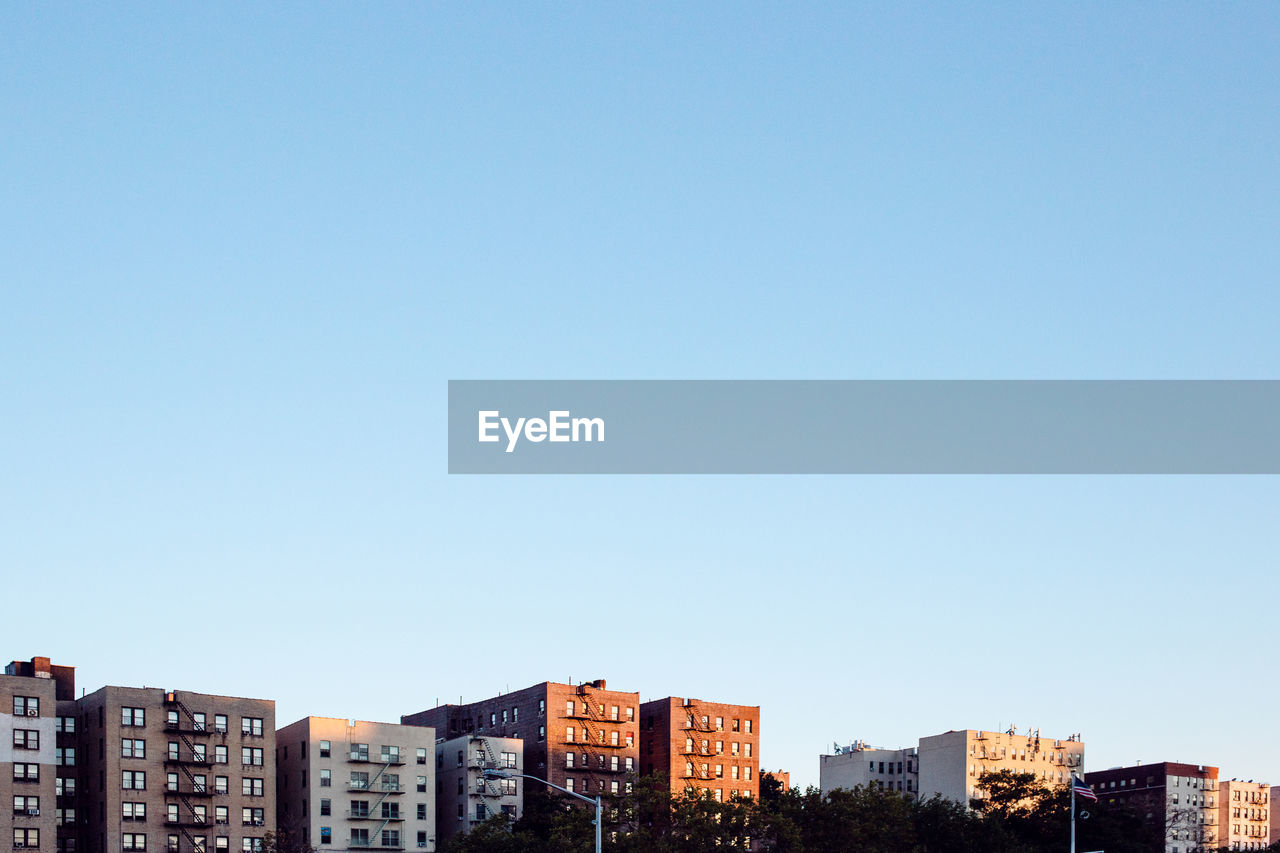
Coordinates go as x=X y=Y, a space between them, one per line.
x=257 y=823
x=33 y=813
x=422 y=844
x=32 y=712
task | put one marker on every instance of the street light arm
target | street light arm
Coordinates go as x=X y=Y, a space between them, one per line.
x=500 y=775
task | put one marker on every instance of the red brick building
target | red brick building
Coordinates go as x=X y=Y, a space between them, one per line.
x=583 y=737
x=697 y=744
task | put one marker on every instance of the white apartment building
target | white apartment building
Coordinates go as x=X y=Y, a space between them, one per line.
x=860 y=765
x=465 y=798
x=355 y=785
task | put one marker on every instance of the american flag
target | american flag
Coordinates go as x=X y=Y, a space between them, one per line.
x=1081 y=788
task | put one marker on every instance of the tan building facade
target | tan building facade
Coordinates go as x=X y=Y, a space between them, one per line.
x=356 y=785
x=1244 y=814
x=952 y=763
x=713 y=746
x=583 y=737
x=861 y=765
x=464 y=797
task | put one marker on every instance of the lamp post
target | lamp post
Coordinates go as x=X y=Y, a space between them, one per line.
x=502 y=774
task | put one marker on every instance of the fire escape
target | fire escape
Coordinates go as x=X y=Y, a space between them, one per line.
x=179 y=757
x=487 y=790
x=694 y=753
x=600 y=742
x=383 y=811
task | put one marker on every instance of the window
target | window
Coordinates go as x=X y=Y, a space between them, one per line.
x=733 y=772
x=26 y=706
x=220 y=784
x=628 y=764
x=64 y=787
x=569 y=708
x=326 y=835
x=422 y=755
x=422 y=784
x=733 y=748
x=221 y=815
x=747 y=749
x=130 y=748
x=391 y=755
x=542 y=707
x=746 y=726
x=66 y=817
x=26 y=805
x=568 y=734
x=133 y=780
x=251 y=726
x=719 y=747
x=613 y=762
x=568 y=783
x=252 y=756
x=26 y=838
x=26 y=772
x=252 y=817
x=133 y=841
x=422 y=811
x=250 y=787
x=325 y=747
x=254 y=845
x=220 y=753
x=613 y=787
x=542 y=732
x=67 y=724
x=746 y=773
x=26 y=739
x=133 y=717
x=222 y=843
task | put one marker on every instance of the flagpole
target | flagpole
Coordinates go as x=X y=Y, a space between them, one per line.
x=1073 y=813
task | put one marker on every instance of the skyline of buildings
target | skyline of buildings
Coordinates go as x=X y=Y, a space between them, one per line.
x=136 y=769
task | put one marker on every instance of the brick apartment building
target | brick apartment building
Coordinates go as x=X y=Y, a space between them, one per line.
x=583 y=737
x=1179 y=802
x=139 y=769
x=355 y=785
x=29 y=777
x=1244 y=814
x=712 y=746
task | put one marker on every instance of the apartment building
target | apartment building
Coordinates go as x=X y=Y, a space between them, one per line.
x=1244 y=814
x=464 y=796
x=28 y=751
x=860 y=765
x=713 y=746
x=1275 y=823
x=175 y=770
x=355 y=785
x=952 y=763
x=1178 y=801
x=583 y=737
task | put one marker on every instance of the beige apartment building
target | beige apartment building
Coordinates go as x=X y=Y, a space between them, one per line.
x=583 y=737
x=694 y=743
x=28 y=769
x=952 y=763
x=1244 y=814
x=464 y=797
x=356 y=785
x=861 y=765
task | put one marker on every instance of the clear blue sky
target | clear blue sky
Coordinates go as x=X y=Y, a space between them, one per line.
x=243 y=248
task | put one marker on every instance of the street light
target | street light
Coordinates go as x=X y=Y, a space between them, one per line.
x=502 y=774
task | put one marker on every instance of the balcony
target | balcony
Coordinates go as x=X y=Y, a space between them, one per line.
x=362 y=815
x=377 y=845
x=194 y=790
x=187 y=758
